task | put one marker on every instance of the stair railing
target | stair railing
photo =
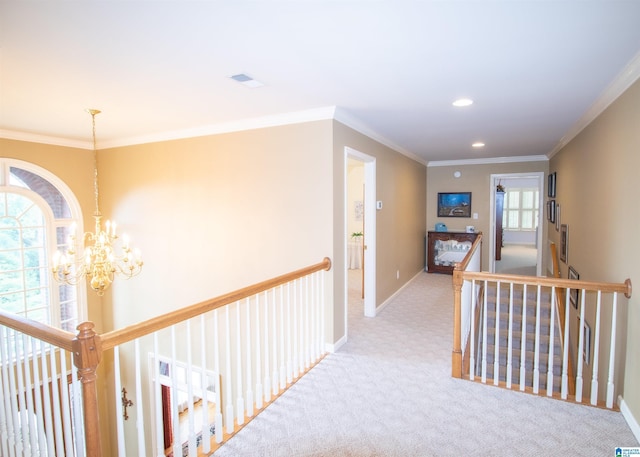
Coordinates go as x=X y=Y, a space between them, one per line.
x=597 y=302
x=463 y=306
x=226 y=358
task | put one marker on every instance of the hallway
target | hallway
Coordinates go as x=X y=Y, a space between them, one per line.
x=389 y=392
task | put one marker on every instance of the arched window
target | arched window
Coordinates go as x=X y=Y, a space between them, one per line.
x=36 y=212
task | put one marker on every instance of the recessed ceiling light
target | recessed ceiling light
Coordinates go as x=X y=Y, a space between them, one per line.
x=246 y=80
x=478 y=144
x=463 y=102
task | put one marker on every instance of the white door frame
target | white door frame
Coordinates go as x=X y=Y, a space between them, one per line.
x=495 y=178
x=369 y=230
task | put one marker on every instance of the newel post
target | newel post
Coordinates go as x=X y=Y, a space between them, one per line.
x=456 y=356
x=87 y=352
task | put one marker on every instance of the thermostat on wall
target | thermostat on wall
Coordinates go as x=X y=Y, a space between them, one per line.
x=379 y=204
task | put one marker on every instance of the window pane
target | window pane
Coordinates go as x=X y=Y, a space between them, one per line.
x=527 y=219
x=513 y=219
x=13 y=302
x=11 y=281
x=527 y=199
x=513 y=199
x=44 y=188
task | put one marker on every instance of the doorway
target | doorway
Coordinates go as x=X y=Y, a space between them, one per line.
x=360 y=232
x=521 y=241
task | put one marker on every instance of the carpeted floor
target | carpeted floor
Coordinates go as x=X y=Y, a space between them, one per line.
x=389 y=392
x=518 y=260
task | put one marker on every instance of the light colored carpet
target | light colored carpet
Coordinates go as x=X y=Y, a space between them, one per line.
x=517 y=260
x=389 y=392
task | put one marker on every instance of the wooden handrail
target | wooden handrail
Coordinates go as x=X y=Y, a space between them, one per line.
x=458 y=270
x=624 y=287
x=461 y=266
x=132 y=332
x=51 y=335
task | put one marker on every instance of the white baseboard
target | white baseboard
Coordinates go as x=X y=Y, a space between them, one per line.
x=337 y=345
x=628 y=416
x=390 y=299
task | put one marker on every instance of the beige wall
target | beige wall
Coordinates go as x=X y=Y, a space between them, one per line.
x=597 y=174
x=217 y=213
x=477 y=180
x=401 y=185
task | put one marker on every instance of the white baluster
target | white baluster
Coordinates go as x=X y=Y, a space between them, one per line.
x=536 y=357
x=289 y=334
x=190 y=412
x=552 y=334
x=140 y=412
x=78 y=422
x=510 y=338
x=27 y=360
x=204 y=384
x=14 y=422
x=283 y=369
x=175 y=417
x=267 y=377
x=496 y=339
x=240 y=399
x=307 y=331
x=484 y=334
x=49 y=423
x=250 y=400
x=58 y=425
x=294 y=321
x=66 y=413
x=564 y=393
x=219 y=430
x=322 y=315
x=23 y=443
x=37 y=393
x=472 y=351
x=5 y=415
x=259 y=389
x=580 y=349
x=229 y=419
x=274 y=343
x=523 y=339
x=596 y=353
x=157 y=399
x=118 y=401
x=612 y=351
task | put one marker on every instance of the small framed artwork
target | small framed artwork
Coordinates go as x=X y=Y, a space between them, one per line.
x=586 y=348
x=575 y=293
x=454 y=204
x=557 y=217
x=564 y=242
x=551 y=185
x=551 y=211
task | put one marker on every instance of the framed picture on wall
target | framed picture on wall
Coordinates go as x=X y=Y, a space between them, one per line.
x=551 y=185
x=551 y=211
x=454 y=204
x=557 y=217
x=564 y=242
x=575 y=293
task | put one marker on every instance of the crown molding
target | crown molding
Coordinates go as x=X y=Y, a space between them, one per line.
x=276 y=120
x=487 y=161
x=621 y=83
x=350 y=121
x=44 y=139
x=298 y=117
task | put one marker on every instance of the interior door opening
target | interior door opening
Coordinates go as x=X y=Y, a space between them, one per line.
x=359 y=233
x=515 y=245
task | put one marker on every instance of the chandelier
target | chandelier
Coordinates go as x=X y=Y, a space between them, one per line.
x=100 y=262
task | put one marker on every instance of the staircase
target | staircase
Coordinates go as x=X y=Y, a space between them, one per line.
x=517 y=310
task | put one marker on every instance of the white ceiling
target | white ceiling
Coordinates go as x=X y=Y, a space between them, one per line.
x=159 y=69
